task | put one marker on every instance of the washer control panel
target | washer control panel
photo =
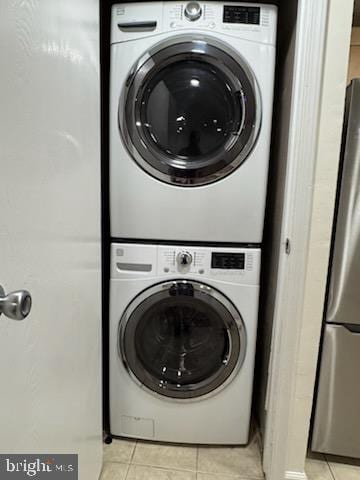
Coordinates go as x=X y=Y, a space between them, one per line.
x=228 y=260
x=181 y=260
x=193 y=11
x=235 y=265
x=226 y=263
x=190 y=15
x=184 y=259
x=241 y=14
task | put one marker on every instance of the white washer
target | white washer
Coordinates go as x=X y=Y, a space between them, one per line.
x=183 y=326
x=191 y=93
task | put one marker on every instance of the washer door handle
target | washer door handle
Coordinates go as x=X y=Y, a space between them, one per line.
x=185 y=289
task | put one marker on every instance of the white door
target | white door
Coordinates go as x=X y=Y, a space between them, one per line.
x=50 y=363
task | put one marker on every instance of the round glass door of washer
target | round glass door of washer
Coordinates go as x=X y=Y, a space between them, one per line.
x=190 y=113
x=182 y=339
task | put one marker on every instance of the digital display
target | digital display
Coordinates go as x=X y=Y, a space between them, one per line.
x=244 y=15
x=228 y=261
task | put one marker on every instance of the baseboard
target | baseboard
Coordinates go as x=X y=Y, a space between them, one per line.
x=295 y=476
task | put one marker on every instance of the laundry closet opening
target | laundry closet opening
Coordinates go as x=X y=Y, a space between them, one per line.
x=142 y=293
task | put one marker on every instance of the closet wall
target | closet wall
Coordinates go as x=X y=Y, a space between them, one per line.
x=274 y=209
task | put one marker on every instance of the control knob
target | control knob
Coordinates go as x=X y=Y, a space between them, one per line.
x=184 y=259
x=193 y=11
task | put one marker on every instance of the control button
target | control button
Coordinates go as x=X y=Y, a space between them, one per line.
x=201 y=271
x=184 y=259
x=166 y=270
x=193 y=11
x=211 y=25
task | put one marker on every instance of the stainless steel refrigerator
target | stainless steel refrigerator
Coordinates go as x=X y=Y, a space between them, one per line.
x=336 y=427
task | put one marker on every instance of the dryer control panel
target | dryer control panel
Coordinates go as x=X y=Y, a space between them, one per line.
x=235 y=265
x=132 y=21
x=218 y=15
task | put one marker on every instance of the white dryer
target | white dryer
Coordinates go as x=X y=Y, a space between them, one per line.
x=183 y=324
x=191 y=93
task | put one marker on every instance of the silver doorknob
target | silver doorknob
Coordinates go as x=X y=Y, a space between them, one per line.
x=15 y=305
x=193 y=11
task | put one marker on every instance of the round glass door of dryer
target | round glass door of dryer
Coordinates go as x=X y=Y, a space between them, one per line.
x=190 y=113
x=182 y=339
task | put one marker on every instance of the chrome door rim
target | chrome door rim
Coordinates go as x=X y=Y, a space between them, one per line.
x=207 y=388
x=212 y=51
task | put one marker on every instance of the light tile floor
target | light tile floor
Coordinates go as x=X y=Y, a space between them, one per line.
x=137 y=460
x=327 y=467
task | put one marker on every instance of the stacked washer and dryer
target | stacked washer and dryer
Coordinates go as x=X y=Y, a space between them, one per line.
x=191 y=93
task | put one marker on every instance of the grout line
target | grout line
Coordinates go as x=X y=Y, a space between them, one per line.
x=166 y=469
x=232 y=476
x=197 y=460
x=122 y=462
x=131 y=459
x=133 y=452
x=330 y=469
x=127 y=471
x=127 y=465
x=161 y=467
x=226 y=476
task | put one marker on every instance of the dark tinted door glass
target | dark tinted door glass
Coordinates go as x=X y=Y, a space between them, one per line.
x=181 y=341
x=191 y=114
x=181 y=345
x=188 y=110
